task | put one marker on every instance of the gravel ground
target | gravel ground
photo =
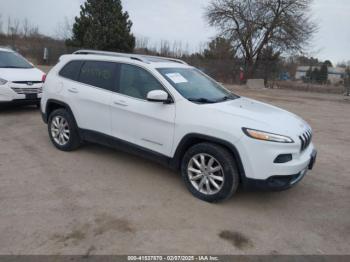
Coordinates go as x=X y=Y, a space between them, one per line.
x=101 y=201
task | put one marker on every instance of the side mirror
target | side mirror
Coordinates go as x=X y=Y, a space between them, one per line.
x=159 y=96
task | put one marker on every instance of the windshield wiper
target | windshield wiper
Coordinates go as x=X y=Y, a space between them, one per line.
x=225 y=98
x=211 y=101
x=228 y=97
x=202 y=100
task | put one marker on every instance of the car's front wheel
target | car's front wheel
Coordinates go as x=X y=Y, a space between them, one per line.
x=209 y=172
x=63 y=131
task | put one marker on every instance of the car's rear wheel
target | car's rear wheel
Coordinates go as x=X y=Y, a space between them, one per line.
x=209 y=172
x=63 y=131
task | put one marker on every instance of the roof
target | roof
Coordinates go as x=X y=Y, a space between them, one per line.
x=155 y=61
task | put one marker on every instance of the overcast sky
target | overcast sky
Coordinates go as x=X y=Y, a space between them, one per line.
x=182 y=20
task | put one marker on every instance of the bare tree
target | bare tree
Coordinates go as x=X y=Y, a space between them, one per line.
x=34 y=31
x=64 y=29
x=26 y=27
x=177 y=49
x=9 y=25
x=1 y=24
x=186 y=51
x=254 y=25
x=164 y=48
x=202 y=46
x=142 y=42
x=13 y=29
x=14 y=26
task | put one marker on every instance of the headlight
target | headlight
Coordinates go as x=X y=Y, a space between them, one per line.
x=265 y=136
x=2 y=82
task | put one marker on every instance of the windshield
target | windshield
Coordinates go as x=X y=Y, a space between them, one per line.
x=13 y=60
x=195 y=85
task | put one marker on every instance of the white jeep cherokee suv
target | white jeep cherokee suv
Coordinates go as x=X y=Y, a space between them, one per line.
x=171 y=112
x=20 y=81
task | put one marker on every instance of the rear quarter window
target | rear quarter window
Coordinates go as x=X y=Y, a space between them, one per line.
x=98 y=74
x=71 y=70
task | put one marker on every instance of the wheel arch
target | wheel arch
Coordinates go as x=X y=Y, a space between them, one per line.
x=52 y=105
x=192 y=139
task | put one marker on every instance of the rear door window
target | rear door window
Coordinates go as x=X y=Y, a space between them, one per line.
x=99 y=74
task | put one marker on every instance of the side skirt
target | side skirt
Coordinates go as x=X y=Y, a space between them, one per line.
x=115 y=143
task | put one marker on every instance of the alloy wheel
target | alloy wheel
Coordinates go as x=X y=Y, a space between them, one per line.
x=205 y=174
x=60 y=130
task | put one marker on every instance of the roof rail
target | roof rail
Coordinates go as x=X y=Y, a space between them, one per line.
x=106 y=53
x=175 y=60
x=142 y=58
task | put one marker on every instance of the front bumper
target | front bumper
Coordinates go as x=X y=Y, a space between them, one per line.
x=280 y=183
x=259 y=158
x=12 y=93
x=20 y=102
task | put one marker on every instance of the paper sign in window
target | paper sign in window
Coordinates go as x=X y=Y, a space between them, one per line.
x=177 y=78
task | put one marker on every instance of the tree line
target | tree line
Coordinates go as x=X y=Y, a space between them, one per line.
x=25 y=37
x=262 y=39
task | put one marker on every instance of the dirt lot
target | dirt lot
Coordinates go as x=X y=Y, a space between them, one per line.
x=101 y=201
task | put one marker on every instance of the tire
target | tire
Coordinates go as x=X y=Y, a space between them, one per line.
x=226 y=173
x=71 y=139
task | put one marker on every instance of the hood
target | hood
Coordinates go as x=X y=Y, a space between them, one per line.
x=257 y=115
x=21 y=74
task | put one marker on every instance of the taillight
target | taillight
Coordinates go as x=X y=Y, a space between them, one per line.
x=43 y=78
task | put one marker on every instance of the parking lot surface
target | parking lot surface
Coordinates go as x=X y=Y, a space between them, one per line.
x=100 y=201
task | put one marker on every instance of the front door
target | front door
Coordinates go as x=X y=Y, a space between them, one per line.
x=134 y=119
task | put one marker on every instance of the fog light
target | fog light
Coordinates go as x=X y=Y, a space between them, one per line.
x=281 y=159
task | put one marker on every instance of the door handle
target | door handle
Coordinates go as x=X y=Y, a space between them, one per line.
x=120 y=103
x=73 y=90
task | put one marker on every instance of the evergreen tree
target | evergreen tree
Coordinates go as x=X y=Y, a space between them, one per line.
x=315 y=75
x=347 y=81
x=219 y=48
x=308 y=76
x=103 y=25
x=328 y=63
x=322 y=77
x=220 y=59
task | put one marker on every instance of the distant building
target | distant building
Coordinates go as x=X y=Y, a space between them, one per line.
x=335 y=74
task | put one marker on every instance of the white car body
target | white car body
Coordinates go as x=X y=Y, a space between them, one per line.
x=162 y=128
x=20 y=83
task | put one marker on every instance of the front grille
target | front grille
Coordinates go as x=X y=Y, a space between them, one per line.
x=305 y=139
x=24 y=91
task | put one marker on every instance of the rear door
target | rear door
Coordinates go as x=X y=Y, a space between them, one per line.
x=90 y=96
x=136 y=120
